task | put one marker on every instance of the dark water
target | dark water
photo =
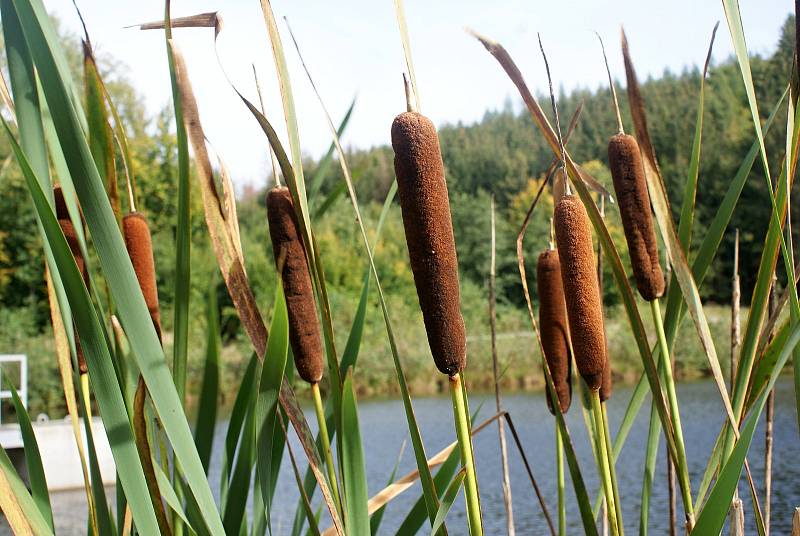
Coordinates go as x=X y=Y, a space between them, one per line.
x=383 y=428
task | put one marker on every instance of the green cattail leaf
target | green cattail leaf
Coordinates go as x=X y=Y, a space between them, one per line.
x=170 y=497
x=354 y=473
x=183 y=239
x=377 y=517
x=16 y=503
x=209 y=393
x=447 y=500
x=272 y=371
x=712 y=517
x=324 y=165
x=241 y=406
x=650 y=459
x=33 y=459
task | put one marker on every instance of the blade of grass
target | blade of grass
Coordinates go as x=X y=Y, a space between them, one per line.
x=400 y=14
x=324 y=165
x=236 y=421
x=377 y=517
x=16 y=503
x=33 y=458
x=354 y=474
x=272 y=370
x=447 y=500
x=183 y=238
x=207 y=403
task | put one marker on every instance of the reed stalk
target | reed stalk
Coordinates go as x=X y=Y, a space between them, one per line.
x=609 y=446
x=496 y=374
x=603 y=465
x=326 y=444
x=458 y=395
x=672 y=400
x=562 y=506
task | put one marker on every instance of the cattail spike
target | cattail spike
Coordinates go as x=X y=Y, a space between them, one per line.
x=553 y=326
x=581 y=289
x=429 y=234
x=139 y=244
x=630 y=185
x=304 y=330
x=67 y=227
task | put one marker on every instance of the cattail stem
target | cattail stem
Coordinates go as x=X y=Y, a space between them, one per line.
x=326 y=444
x=666 y=368
x=458 y=394
x=496 y=373
x=562 y=506
x=612 y=468
x=603 y=464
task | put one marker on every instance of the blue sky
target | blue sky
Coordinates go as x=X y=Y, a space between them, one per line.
x=353 y=48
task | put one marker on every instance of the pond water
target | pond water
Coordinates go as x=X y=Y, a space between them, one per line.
x=384 y=429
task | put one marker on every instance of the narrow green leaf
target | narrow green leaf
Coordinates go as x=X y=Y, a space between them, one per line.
x=272 y=371
x=324 y=165
x=170 y=497
x=207 y=404
x=447 y=500
x=650 y=458
x=354 y=473
x=16 y=503
x=33 y=458
x=236 y=421
x=377 y=517
x=183 y=231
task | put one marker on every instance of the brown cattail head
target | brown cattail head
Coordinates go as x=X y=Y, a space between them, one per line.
x=140 y=249
x=581 y=288
x=429 y=235
x=606 y=385
x=61 y=205
x=553 y=326
x=303 y=322
x=74 y=246
x=630 y=186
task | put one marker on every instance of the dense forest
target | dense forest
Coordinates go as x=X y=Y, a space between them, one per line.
x=501 y=155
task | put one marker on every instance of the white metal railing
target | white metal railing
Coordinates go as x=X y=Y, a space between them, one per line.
x=22 y=359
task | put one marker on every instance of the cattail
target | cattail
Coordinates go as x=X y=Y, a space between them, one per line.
x=303 y=322
x=581 y=289
x=630 y=186
x=140 y=250
x=553 y=326
x=429 y=235
x=71 y=235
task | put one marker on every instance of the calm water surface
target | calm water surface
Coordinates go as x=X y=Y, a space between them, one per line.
x=383 y=428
